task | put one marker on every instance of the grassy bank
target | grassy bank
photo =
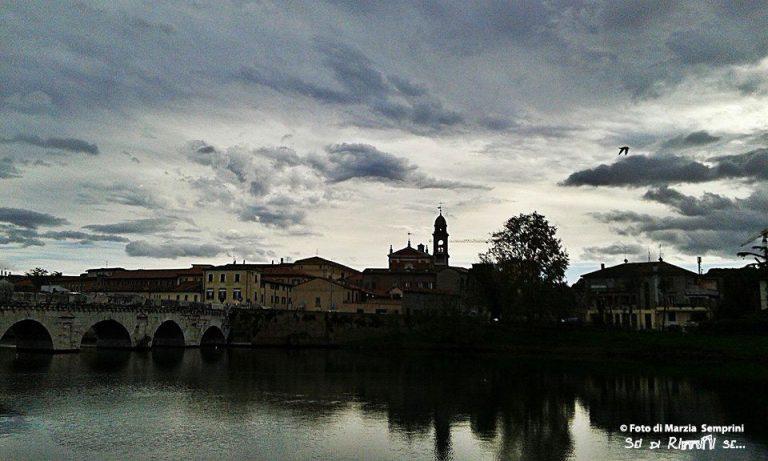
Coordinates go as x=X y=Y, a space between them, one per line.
x=576 y=342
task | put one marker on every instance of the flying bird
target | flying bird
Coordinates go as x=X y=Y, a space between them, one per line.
x=624 y=150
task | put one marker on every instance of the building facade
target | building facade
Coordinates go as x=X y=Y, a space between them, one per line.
x=652 y=295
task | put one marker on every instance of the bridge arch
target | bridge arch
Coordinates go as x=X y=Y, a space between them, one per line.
x=28 y=334
x=107 y=334
x=168 y=334
x=213 y=336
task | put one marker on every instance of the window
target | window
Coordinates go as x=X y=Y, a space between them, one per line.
x=262 y=298
x=195 y=300
x=282 y=300
x=237 y=278
x=186 y=297
x=209 y=293
x=210 y=277
x=178 y=297
x=237 y=295
x=317 y=301
x=223 y=278
x=222 y=294
x=672 y=316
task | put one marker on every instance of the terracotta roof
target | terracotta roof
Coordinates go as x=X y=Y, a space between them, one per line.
x=410 y=251
x=319 y=260
x=639 y=269
x=188 y=287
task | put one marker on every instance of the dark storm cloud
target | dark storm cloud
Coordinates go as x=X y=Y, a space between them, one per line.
x=707 y=224
x=686 y=204
x=638 y=170
x=68 y=144
x=363 y=161
x=136 y=226
x=29 y=219
x=280 y=213
x=695 y=139
x=172 y=250
x=8 y=169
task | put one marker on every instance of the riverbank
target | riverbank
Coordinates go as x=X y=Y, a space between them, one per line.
x=365 y=331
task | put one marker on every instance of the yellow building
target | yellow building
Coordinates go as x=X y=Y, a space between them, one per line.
x=275 y=293
x=324 y=268
x=338 y=296
x=232 y=284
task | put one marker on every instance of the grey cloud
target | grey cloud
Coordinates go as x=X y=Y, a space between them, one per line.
x=275 y=213
x=630 y=251
x=686 y=204
x=397 y=99
x=710 y=224
x=8 y=169
x=82 y=237
x=350 y=161
x=236 y=164
x=120 y=193
x=695 y=139
x=26 y=237
x=137 y=226
x=638 y=170
x=68 y=144
x=29 y=219
x=172 y=250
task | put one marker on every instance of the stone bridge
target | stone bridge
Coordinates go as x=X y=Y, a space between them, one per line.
x=65 y=328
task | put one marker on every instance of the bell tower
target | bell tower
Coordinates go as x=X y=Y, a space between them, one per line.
x=440 y=240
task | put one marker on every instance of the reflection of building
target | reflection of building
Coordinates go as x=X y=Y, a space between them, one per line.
x=415 y=272
x=650 y=295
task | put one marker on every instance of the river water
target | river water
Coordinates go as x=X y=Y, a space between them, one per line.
x=268 y=404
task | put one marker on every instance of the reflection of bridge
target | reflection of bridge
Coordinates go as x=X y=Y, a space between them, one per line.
x=66 y=328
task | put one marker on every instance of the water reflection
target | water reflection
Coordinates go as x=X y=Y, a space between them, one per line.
x=309 y=402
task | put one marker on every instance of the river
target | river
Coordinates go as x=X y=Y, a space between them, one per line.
x=269 y=404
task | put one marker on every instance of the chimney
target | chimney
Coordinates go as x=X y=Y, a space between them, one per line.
x=281 y=260
x=602 y=266
x=421 y=247
x=390 y=249
x=626 y=260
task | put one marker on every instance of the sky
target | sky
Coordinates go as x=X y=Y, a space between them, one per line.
x=145 y=135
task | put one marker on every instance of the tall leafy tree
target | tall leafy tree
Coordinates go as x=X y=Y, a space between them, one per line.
x=528 y=263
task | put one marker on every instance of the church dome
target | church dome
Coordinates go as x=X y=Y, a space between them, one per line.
x=440 y=221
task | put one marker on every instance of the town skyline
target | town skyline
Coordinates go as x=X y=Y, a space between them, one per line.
x=175 y=135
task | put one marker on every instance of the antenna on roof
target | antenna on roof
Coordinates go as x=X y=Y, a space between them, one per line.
x=409 y=239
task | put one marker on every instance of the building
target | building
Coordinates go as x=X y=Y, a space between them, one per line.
x=276 y=292
x=417 y=279
x=316 y=266
x=328 y=295
x=159 y=284
x=648 y=295
x=233 y=284
x=742 y=290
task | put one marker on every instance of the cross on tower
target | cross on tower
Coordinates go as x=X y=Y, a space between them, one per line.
x=440 y=207
x=409 y=239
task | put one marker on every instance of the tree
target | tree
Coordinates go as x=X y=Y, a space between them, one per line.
x=40 y=276
x=529 y=265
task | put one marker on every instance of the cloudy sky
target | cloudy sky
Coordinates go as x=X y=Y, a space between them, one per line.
x=147 y=135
